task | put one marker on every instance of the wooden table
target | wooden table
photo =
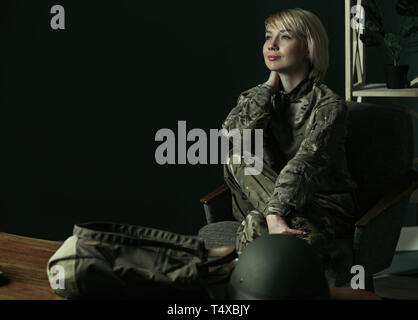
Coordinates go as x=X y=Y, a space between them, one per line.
x=23 y=261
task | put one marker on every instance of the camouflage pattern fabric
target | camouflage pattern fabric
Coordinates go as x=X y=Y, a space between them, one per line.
x=321 y=223
x=321 y=227
x=305 y=178
x=304 y=131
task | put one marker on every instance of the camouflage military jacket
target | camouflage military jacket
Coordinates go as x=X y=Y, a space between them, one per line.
x=308 y=128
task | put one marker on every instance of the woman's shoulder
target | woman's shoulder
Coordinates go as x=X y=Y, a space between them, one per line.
x=324 y=96
x=261 y=87
x=327 y=102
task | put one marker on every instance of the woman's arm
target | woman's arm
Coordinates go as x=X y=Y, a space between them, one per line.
x=297 y=181
x=254 y=106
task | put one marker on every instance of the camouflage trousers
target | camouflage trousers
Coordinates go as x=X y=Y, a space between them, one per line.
x=250 y=194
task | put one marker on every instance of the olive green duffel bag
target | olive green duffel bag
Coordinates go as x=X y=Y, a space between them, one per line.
x=111 y=260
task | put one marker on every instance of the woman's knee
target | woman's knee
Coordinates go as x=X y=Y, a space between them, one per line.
x=252 y=227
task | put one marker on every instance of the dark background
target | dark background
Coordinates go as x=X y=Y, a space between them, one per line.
x=82 y=105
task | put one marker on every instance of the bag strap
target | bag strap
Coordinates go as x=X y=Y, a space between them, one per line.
x=218 y=256
x=218 y=265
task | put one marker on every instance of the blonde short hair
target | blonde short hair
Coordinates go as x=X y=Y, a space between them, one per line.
x=309 y=28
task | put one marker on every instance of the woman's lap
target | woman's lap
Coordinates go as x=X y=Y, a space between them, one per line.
x=321 y=225
x=250 y=195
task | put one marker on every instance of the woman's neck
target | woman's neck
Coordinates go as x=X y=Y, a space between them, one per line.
x=289 y=81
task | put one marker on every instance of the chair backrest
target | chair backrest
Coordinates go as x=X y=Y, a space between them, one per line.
x=379 y=148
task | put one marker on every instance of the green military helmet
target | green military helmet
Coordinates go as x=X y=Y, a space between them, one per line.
x=278 y=267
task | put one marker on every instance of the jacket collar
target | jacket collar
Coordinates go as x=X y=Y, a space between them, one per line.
x=300 y=90
x=303 y=95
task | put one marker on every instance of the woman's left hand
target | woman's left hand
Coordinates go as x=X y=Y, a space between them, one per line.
x=277 y=225
x=273 y=80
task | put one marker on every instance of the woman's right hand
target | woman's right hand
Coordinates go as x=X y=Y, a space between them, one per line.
x=273 y=80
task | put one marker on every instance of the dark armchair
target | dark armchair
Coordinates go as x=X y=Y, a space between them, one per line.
x=380 y=151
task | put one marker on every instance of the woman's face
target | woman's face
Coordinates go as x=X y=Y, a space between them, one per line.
x=283 y=51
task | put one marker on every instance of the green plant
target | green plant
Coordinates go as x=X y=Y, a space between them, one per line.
x=395 y=42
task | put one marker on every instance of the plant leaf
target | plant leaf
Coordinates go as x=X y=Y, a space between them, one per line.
x=371 y=39
x=374 y=19
x=408 y=26
x=407 y=7
x=394 y=43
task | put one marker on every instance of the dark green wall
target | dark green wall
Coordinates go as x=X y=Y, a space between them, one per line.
x=375 y=59
x=83 y=105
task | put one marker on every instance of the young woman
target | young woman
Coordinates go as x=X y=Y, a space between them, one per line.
x=304 y=188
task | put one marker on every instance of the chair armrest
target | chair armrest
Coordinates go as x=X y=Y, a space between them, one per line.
x=221 y=191
x=218 y=205
x=406 y=185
